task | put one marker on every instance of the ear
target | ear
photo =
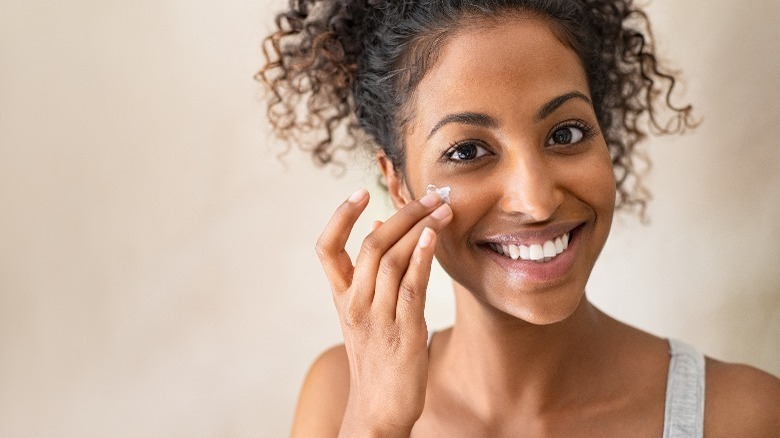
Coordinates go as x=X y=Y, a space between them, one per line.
x=396 y=184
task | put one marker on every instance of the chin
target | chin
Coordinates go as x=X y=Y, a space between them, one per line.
x=543 y=313
x=539 y=307
x=542 y=306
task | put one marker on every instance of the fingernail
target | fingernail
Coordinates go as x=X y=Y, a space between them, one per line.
x=443 y=212
x=430 y=200
x=425 y=238
x=358 y=196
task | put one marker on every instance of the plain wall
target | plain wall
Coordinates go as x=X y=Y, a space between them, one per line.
x=157 y=272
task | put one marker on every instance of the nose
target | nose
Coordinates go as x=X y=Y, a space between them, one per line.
x=530 y=188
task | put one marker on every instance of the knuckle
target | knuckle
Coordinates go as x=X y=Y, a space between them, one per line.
x=392 y=337
x=408 y=292
x=389 y=265
x=354 y=318
x=370 y=245
x=322 y=247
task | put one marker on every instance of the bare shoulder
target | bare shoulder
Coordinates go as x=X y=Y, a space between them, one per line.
x=741 y=400
x=323 y=397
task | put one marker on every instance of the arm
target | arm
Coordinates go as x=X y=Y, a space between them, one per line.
x=323 y=398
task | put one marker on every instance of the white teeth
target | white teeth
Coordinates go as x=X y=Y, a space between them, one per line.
x=549 y=249
x=540 y=252
x=514 y=252
x=537 y=253
x=525 y=252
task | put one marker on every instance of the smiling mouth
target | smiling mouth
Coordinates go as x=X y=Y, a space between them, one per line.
x=535 y=252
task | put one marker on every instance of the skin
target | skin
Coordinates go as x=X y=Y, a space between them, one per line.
x=528 y=354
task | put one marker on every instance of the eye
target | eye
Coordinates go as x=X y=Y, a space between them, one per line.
x=466 y=151
x=566 y=135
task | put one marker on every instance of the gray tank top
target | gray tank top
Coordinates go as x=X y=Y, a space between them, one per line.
x=684 y=408
x=684 y=417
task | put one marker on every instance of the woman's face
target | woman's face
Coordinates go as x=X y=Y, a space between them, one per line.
x=504 y=118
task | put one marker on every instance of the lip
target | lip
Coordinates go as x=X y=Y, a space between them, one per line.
x=531 y=236
x=535 y=271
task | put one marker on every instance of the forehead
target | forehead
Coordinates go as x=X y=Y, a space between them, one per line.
x=516 y=64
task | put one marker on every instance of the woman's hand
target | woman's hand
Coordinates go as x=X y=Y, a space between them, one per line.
x=380 y=302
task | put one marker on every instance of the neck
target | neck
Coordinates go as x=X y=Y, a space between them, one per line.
x=504 y=361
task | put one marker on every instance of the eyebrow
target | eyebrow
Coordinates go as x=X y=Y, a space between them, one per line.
x=485 y=121
x=556 y=103
x=476 y=119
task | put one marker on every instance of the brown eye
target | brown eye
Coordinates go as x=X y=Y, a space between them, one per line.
x=566 y=135
x=466 y=151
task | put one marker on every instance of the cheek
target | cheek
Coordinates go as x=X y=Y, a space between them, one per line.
x=466 y=194
x=593 y=180
x=469 y=206
x=605 y=187
x=467 y=200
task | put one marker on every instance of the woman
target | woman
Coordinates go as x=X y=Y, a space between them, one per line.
x=529 y=111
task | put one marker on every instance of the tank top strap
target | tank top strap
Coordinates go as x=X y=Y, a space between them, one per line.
x=684 y=411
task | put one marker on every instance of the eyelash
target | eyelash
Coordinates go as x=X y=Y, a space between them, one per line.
x=457 y=146
x=588 y=132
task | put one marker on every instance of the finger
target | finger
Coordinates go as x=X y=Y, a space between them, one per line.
x=388 y=234
x=414 y=285
x=365 y=281
x=394 y=264
x=375 y=225
x=331 y=243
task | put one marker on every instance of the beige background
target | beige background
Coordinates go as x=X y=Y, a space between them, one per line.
x=157 y=273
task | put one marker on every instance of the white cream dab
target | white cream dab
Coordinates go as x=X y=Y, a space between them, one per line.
x=443 y=192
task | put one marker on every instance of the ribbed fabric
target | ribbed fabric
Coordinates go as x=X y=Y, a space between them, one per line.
x=684 y=416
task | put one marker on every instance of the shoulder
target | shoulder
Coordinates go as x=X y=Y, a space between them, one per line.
x=323 y=397
x=740 y=401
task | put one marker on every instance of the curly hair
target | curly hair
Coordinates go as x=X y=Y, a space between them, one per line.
x=341 y=73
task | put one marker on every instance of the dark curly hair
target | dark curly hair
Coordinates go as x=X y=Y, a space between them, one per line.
x=341 y=73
